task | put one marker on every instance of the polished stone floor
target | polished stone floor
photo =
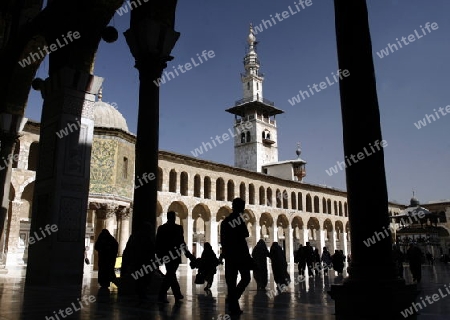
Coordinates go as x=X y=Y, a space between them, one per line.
x=307 y=300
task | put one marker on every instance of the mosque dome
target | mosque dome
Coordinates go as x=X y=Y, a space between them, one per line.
x=414 y=202
x=106 y=116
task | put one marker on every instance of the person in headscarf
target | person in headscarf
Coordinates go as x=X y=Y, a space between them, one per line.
x=107 y=248
x=399 y=258
x=139 y=255
x=260 y=255
x=208 y=265
x=279 y=265
x=300 y=258
x=326 y=260
x=415 y=261
x=316 y=261
x=338 y=262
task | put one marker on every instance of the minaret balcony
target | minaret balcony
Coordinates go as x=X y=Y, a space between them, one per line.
x=255 y=98
x=245 y=119
x=267 y=120
x=259 y=117
x=268 y=141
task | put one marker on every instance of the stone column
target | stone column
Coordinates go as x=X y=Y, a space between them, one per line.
x=99 y=225
x=188 y=233
x=123 y=215
x=344 y=242
x=258 y=231
x=333 y=241
x=106 y=216
x=9 y=134
x=104 y=219
x=289 y=245
x=372 y=282
x=214 y=235
x=273 y=230
x=322 y=239
x=151 y=38
x=12 y=244
x=305 y=235
x=62 y=179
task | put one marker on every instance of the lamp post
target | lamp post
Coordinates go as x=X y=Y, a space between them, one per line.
x=151 y=38
x=10 y=126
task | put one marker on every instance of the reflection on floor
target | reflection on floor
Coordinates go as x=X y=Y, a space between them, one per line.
x=306 y=300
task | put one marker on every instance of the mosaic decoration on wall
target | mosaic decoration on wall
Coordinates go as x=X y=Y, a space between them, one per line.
x=107 y=168
x=102 y=165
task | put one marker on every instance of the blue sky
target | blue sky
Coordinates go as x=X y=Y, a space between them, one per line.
x=297 y=52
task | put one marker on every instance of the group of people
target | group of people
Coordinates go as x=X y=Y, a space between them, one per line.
x=308 y=257
x=142 y=249
x=276 y=254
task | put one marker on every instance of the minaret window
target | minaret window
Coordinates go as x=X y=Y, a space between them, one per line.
x=248 y=85
x=248 y=136
x=266 y=135
x=125 y=168
x=243 y=137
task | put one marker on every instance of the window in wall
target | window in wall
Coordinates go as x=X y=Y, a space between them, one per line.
x=207 y=188
x=125 y=168
x=248 y=136
x=251 y=194
x=173 y=181
x=16 y=155
x=33 y=156
x=243 y=137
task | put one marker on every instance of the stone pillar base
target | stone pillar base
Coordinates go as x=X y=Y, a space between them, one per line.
x=373 y=300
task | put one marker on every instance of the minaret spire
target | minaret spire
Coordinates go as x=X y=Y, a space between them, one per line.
x=252 y=79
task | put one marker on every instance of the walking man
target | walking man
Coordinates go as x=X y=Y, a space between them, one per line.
x=233 y=231
x=170 y=243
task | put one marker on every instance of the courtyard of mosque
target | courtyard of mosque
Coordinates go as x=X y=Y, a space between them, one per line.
x=304 y=300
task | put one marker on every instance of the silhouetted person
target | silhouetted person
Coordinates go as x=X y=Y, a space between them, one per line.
x=429 y=258
x=344 y=258
x=300 y=258
x=398 y=257
x=326 y=260
x=107 y=248
x=139 y=257
x=208 y=265
x=279 y=266
x=260 y=255
x=233 y=234
x=316 y=261
x=338 y=261
x=415 y=262
x=309 y=257
x=170 y=243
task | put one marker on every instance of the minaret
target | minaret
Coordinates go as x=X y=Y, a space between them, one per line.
x=251 y=79
x=255 y=142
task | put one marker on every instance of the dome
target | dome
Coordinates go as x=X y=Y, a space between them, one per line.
x=106 y=116
x=414 y=202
